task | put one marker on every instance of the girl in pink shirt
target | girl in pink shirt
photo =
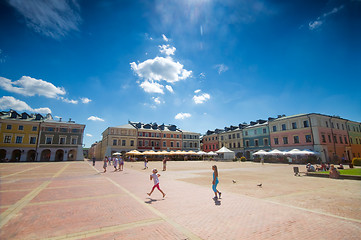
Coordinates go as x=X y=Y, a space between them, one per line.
x=155 y=178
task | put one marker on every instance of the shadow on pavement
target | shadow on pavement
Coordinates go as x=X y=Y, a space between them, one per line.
x=153 y=200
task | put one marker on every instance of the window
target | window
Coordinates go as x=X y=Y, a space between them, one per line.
x=283 y=127
x=177 y=136
x=356 y=141
x=332 y=125
x=164 y=135
x=74 y=141
x=239 y=145
x=221 y=138
x=32 y=140
x=153 y=135
x=305 y=124
x=75 y=130
x=264 y=130
x=164 y=144
x=256 y=143
x=115 y=142
x=274 y=128
x=48 y=140
x=351 y=140
x=346 y=140
x=343 y=127
x=34 y=128
x=255 y=132
x=233 y=135
x=276 y=141
x=326 y=124
x=49 y=129
x=285 y=140
x=238 y=136
x=265 y=142
x=246 y=133
x=296 y=139
x=229 y=136
x=308 y=138
x=62 y=140
x=341 y=140
x=140 y=134
x=132 y=143
x=294 y=125
x=63 y=130
x=152 y=143
x=146 y=143
x=21 y=127
x=7 y=139
x=140 y=143
x=323 y=138
x=8 y=127
x=19 y=139
x=338 y=126
x=157 y=143
x=335 y=139
x=146 y=134
x=247 y=143
x=171 y=144
x=171 y=136
x=329 y=138
x=178 y=145
x=195 y=145
x=124 y=143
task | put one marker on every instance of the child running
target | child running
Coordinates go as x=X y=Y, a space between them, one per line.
x=215 y=182
x=155 y=178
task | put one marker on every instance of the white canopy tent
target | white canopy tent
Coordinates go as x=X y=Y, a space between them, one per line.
x=226 y=153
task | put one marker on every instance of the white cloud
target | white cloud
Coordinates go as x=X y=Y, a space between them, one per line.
x=85 y=100
x=88 y=135
x=160 y=68
x=28 y=86
x=93 y=118
x=165 y=38
x=202 y=75
x=221 y=68
x=51 y=18
x=201 y=98
x=157 y=100
x=152 y=87
x=182 y=116
x=197 y=91
x=313 y=25
x=8 y=102
x=69 y=100
x=167 y=49
x=169 y=88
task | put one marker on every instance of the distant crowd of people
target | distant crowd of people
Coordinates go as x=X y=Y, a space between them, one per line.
x=334 y=173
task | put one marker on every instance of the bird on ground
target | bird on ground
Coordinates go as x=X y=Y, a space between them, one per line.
x=259 y=185
x=233 y=181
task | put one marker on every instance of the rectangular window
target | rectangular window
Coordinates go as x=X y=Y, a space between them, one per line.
x=246 y=133
x=164 y=144
x=276 y=141
x=21 y=127
x=48 y=140
x=115 y=142
x=177 y=136
x=329 y=138
x=63 y=130
x=152 y=143
x=326 y=124
x=75 y=130
x=238 y=136
x=256 y=143
x=7 y=139
x=132 y=143
x=74 y=141
x=146 y=134
x=255 y=132
x=32 y=140
x=164 y=135
x=19 y=139
x=140 y=143
x=308 y=138
x=157 y=143
x=343 y=127
x=294 y=125
x=264 y=130
x=178 y=144
x=146 y=143
x=323 y=138
x=221 y=138
x=285 y=140
x=124 y=143
x=229 y=136
x=351 y=140
x=335 y=139
x=171 y=136
x=346 y=140
x=233 y=135
x=265 y=142
x=296 y=139
x=34 y=128
x=62 y=140
x=8 y=127
x=283 y=127
x=153 y=135
x=171 y=144
x=338 y=126
x=305 y=124
x=195 y=145
x=274 y=128
x=140 y=134
x=341 y=140
x=247 y=143
x=239 y=145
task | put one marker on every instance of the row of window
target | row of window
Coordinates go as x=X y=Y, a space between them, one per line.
x=47 y=129
x=141 y=134
x=355 y=129
x=147 y=143
x=335 y=140
x=296 y=139
x=257 y=143
x=357 y=141
x=210 y=147
x=264 y=130
x=21 y=127
x=32 y=140
x=306 y=124
x=211 y=138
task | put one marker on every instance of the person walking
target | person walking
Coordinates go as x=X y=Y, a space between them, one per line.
x=115 y=163
x=164 y=163
x=105 y=164
x=215 y=182
x=121 y=163
x=155 y=177
x=93 y=161
x=145 y=163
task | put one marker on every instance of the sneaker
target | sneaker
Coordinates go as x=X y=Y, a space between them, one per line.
x=220 y=194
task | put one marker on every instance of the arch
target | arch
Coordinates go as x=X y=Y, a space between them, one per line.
x=16 y=155
x=2 y=155
x=45 y=155
x=59 y=155
x=30 y=157
x=72 y=155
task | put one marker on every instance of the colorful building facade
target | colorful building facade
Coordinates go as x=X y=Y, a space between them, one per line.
x=354 y=132
x=256 y=136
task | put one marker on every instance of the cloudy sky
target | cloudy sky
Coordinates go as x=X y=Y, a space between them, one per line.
x=199 y=64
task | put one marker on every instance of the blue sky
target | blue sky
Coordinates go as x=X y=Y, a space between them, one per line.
x=200 y=64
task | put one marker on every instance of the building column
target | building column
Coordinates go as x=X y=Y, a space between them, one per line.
x=52 y=155
x=8 y=154
x=23 y=156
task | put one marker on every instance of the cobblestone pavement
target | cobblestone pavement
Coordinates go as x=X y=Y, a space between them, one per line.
x=73 y=200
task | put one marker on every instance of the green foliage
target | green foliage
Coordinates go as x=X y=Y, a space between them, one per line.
x=356 y=161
